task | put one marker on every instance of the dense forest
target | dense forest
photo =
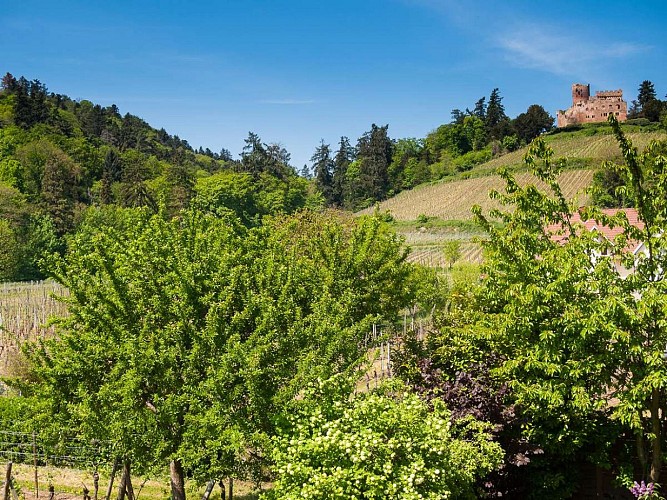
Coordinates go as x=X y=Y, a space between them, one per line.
x=59 y=156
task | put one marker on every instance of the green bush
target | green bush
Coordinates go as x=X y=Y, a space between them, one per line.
x=383 y=445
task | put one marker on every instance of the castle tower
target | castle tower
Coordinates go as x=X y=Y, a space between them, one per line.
x=580 y=93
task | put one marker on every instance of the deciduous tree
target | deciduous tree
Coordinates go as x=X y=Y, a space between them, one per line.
x=185 y=338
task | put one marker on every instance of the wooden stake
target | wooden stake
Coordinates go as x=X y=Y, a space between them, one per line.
x=8 y=481
x=114 y=469
x=34 y=456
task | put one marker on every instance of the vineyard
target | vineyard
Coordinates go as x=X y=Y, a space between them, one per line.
x=433 y=256
x=597 y=148
x=453 y=200
x=24 y=311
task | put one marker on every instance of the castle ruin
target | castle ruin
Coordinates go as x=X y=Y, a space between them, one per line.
x=587 y=109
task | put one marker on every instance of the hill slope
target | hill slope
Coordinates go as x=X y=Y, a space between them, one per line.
x=452 y=199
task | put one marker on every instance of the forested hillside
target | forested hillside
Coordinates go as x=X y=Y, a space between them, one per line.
x=59 y=156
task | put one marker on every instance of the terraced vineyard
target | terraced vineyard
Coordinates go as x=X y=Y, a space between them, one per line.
x=24 y=311
x=597 y=148
x=453 y=200
x=432 y=255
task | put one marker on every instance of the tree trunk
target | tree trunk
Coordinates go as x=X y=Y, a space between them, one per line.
x=641 y=452
x=656 y=445
x=128 y=482
x=209 y=490
x=177 y=481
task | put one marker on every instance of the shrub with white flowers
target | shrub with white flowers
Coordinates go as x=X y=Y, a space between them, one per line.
x=384 y=445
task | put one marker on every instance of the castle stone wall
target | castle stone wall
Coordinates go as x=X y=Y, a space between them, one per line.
x=587 y=109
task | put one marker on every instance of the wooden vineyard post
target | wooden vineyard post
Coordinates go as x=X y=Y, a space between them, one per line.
x=114 y=469
x=96 y=483
x=34 y=457
x=8 y=481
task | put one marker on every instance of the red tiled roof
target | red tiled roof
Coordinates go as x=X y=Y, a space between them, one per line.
x=559 y=234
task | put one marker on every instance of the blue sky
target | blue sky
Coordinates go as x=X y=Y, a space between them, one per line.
x=296 y=72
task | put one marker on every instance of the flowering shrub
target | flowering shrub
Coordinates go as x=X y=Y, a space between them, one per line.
x=644 y=491
x=382 y=445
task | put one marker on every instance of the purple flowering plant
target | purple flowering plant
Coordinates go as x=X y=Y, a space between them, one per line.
x=644 y=491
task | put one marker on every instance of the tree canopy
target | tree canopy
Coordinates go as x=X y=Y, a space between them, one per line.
x=195 y=333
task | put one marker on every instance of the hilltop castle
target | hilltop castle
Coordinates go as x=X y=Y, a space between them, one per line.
x=587 y=109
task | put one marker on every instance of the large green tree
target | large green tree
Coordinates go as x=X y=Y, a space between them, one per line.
x=496 y=121
x=186 y=337
x=582 y=343
x=342 y=159
x=323 y=167
x=374 y=151
x=533 y=122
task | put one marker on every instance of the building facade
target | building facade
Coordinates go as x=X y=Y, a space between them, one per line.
x=587 y=109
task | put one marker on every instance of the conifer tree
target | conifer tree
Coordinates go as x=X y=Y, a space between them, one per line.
x=374 y=150
x=497 y=123
x=646 y=93
x=344 y=156
x=323 y=167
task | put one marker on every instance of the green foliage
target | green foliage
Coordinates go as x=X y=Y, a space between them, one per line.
x=574 y=331
x=534 y=122
x=467 y=161
x=194 y=332
x=387 y=444
x=9 y=252
x=452 y=251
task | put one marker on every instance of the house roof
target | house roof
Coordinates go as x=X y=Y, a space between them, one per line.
x=560 y=235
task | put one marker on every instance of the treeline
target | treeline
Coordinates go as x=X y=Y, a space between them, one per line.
x=59 y=156
x=378 y=167
x=647 y=105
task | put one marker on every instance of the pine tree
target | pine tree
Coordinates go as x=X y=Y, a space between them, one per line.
x=323 y=167
x=253 y=156
x=344 y=156
x=374 y=150
x=646 y=93
x=480 y=109
x=497 y=123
